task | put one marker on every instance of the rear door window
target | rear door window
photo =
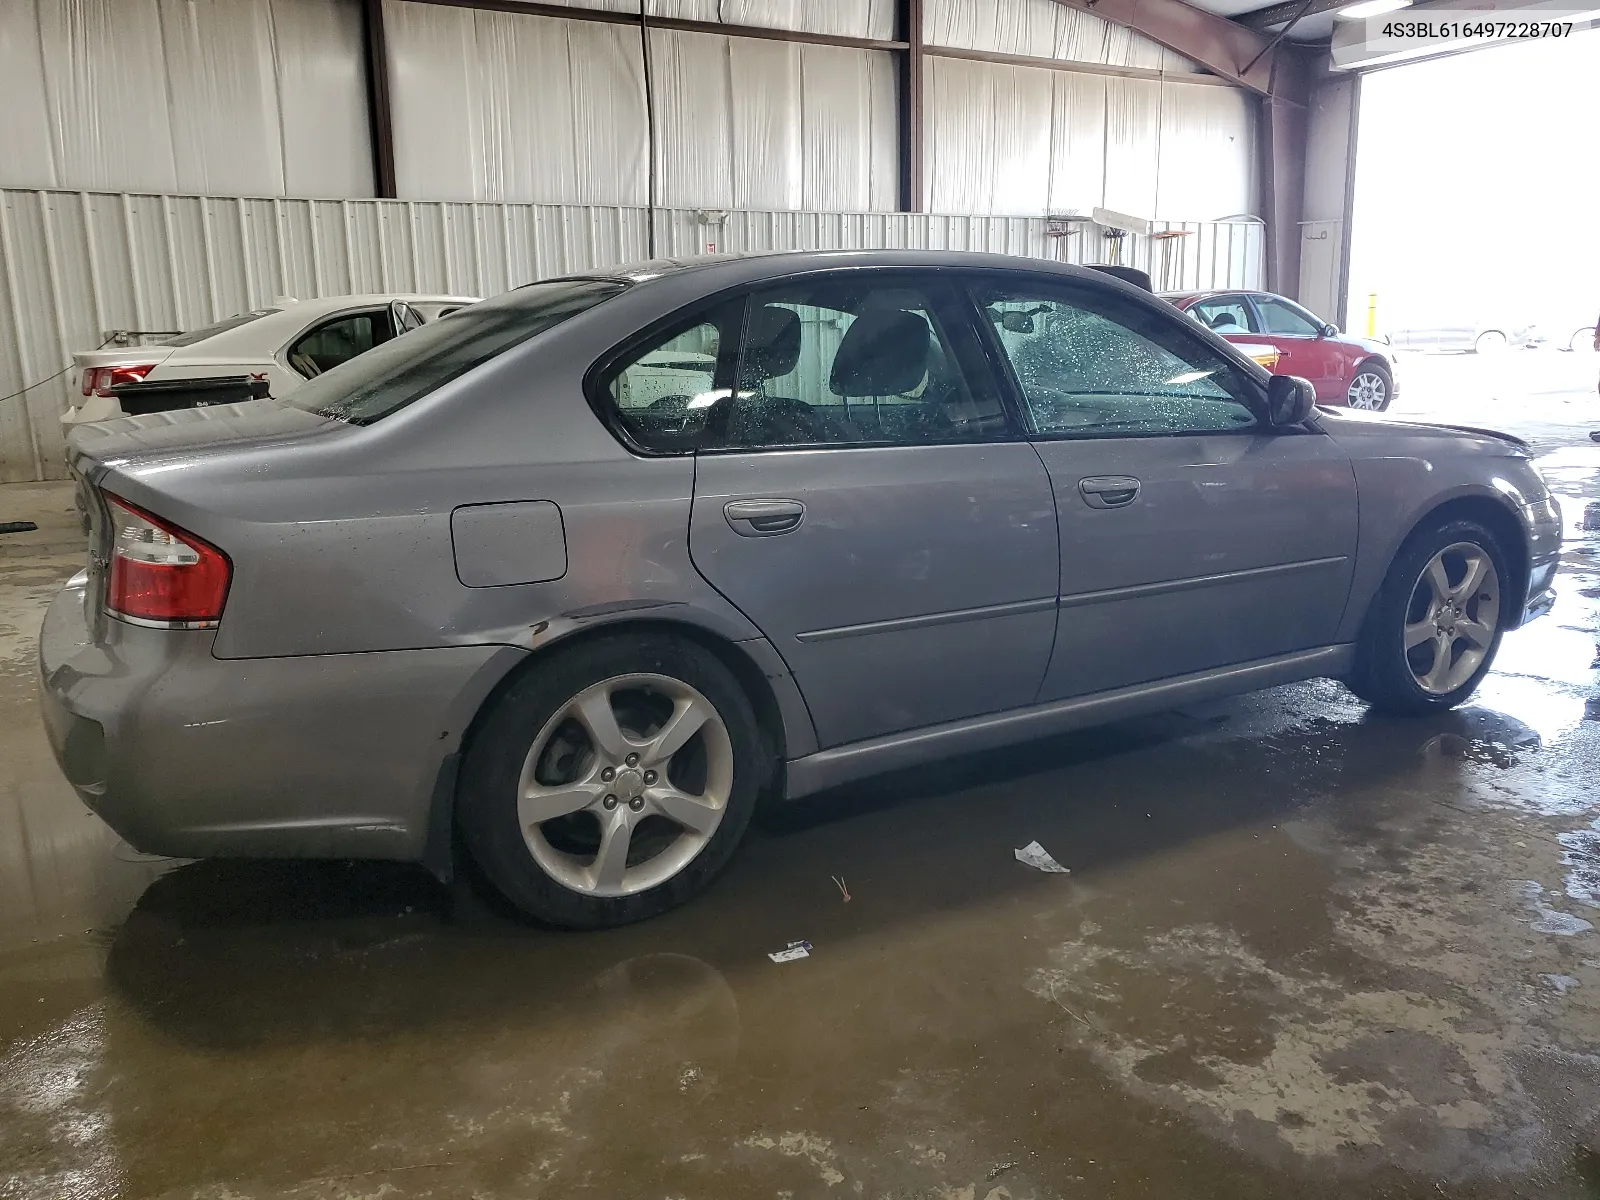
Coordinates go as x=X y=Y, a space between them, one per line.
x=1225 y=314
x=336 y=342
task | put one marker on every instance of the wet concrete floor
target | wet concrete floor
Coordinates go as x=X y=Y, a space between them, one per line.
x=1301 y=953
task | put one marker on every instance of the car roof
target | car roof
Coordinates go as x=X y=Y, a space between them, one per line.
x=1207 y=293
x=753 y=265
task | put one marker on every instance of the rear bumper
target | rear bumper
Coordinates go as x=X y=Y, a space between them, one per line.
x=188 y=755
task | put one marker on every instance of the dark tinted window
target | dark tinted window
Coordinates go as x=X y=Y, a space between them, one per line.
x=402 y=370
x=852 y=362
x=338 y=341
x=1098 y=365
x=205 y=331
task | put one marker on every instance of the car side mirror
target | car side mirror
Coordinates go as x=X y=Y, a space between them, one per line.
x=1290 y=400
x=1329 y=331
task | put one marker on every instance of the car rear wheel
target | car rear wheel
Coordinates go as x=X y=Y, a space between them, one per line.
x=1491 y=341
x=1434 y=627
x=612 y=781
x=1371 y=389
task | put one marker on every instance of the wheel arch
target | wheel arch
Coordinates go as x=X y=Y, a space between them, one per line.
x=1493 y=513
x=784 y=721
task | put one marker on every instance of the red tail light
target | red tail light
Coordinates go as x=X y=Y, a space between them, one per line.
x=161 y=574
x=100 y=380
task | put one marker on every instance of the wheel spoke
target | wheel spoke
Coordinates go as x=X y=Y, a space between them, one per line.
x=593 y=710
x=694 y=813
x=687 y=717
x=1479 y=633
x=538 y=804
x=1477 y=568
x=1434 y=679
x=1420 y=632
x=1438 y=580
x=611 y=861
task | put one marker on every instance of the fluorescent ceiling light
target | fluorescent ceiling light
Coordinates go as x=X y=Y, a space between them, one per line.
x=1373 y=8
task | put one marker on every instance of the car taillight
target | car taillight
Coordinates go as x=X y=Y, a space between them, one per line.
x=100 y=380
x=162 y=574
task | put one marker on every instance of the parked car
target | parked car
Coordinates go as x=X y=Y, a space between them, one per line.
x=1344 y=370
x=906 y=504
x=1465 y=337
x=268 y=351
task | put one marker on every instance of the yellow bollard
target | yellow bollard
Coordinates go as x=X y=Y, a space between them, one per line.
x=1372 y=314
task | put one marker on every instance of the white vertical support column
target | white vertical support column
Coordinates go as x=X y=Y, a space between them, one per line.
x=505 y=245
x=208 y=245
x=171 y=234
x=53 y=273
x=349 y=250
x=380 y=216
x=92 y=253
x=477 y=250
x=283 y=247
x=411 y=235
x=314 y=222
x=134 y=272
x=24 y=363
x=244 y=256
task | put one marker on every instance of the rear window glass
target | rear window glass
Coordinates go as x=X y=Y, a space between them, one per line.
x=370 y=386
x=206 y=331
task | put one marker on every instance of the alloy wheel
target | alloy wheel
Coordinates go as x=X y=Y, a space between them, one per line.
x=625 y=785
x=1452 y=618
x=1367 y=391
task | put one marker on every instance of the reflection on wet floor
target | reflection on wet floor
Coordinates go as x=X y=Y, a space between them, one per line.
x=1301 y=952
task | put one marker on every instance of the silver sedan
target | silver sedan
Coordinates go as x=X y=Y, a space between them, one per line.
x=581 y=571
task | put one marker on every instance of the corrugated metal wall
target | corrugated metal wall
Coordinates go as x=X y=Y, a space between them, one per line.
x=75 y=264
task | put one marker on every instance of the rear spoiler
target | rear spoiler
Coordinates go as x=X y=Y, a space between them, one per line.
x=1139 y=279
x=167 y=395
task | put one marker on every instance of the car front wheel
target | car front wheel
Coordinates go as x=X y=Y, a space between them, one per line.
x=1434 y=627
x=1371 y=389
x=612 y=781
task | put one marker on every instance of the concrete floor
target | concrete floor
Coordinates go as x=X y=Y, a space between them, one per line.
x=1300 y=953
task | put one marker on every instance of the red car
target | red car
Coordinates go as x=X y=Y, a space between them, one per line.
x=1345 y=370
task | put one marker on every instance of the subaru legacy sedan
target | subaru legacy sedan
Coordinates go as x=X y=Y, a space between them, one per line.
x=579 y=572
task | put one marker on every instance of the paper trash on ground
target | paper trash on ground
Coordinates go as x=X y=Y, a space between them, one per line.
x=791 y=952
x=1036 y=856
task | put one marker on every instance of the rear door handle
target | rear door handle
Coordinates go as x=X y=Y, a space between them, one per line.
x=1109 y=491
x=764 y=518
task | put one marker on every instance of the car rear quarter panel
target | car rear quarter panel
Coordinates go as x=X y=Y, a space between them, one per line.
x=343 y=545
x=1405 y=472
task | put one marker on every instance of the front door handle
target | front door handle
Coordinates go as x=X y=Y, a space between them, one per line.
x=764 y=518
x=1109 y=491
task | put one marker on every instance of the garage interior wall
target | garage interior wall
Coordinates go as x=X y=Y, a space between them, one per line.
x=219 y=97
x=171 y=162
x=1023 y=139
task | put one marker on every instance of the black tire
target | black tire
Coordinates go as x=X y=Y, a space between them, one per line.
x=1382 y=676
x=486 y=800
x=1374 y=367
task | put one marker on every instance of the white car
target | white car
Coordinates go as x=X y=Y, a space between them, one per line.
x=267 y=352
